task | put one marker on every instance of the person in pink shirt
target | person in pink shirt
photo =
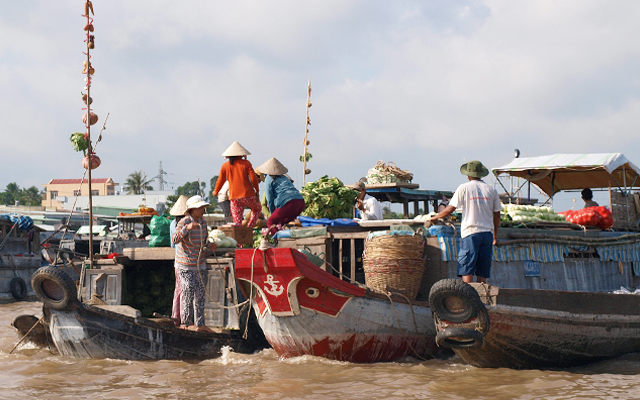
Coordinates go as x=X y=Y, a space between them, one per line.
x=192 y=248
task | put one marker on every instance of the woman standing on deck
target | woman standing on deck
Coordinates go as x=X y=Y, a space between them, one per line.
x=177 y=211
x=284 y=200
x=192 y=247
x=243 y=184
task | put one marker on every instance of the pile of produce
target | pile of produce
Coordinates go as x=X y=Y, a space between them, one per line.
x=221 y=240
x=388 y=173
x=592 y=216
x=328 y=198
x=142 y=211
x=149 y=289
x=424 y=217
x=522 y=213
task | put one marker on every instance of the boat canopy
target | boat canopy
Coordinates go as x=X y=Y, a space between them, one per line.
x=557 y=172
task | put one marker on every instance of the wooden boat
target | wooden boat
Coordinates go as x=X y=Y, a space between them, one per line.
x=304 y=310
x=491 y=327
x=86 y=330
x=19 y=256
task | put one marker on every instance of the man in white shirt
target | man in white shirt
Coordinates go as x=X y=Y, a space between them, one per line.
x=480 y=206
x=369 y=206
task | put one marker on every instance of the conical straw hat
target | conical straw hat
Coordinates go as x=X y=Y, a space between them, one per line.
x=273 y=167
x=235 y=150
x=179 y=207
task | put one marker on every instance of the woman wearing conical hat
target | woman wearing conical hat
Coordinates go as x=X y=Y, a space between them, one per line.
x=243 y=184
x=284 y=200
x=177 y=211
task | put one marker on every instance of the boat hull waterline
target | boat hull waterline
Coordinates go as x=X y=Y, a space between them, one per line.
x=304 y=310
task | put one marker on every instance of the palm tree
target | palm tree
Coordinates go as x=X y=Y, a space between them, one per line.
x=137 y=183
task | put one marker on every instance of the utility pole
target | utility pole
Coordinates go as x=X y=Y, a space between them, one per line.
x=160 y=177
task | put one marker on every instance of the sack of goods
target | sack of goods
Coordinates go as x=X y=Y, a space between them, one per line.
x=388 y=173
x=591 y=216
x=394 y=261
x=160 y=236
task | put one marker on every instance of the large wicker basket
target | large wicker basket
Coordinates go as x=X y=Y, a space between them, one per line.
x=394 y=261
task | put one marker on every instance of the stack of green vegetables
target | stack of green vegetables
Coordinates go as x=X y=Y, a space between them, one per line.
x=328 y=198
x=149 y=289
x=522 y=213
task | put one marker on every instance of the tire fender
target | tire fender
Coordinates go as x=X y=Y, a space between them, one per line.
x=18 y=288
x=54 y=288
x=459 y=338
x=454 y=301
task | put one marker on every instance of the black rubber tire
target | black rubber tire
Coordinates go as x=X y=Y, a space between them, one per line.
x=442 y=293
x=18 y=288
x=54 y=288
x=459 y=338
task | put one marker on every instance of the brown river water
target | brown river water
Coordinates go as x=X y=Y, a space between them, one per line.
x=35 y=373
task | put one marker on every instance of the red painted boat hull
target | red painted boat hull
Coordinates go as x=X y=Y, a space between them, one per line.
x=304 y=310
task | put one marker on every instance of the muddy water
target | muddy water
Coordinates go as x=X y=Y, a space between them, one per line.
x=36 y=373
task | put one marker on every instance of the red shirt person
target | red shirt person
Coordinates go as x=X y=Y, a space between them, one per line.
x=243 y=184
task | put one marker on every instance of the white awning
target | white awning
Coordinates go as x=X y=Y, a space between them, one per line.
x=559 y=172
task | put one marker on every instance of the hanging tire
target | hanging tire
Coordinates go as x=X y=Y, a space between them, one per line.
x=459 y=338
x=18 y=288
x=454 y=300
x=54 y=288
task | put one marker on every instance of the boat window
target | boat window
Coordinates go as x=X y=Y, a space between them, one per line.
x=589 y=253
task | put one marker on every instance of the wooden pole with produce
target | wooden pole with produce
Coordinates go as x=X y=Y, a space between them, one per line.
x=89 y=118
x=306 y=156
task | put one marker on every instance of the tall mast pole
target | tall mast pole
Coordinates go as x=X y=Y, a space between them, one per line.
x=88 y=9
x=306 y=134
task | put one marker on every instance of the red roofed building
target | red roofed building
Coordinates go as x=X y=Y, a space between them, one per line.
x=72 y=187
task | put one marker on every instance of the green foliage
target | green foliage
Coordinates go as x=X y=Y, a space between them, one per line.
x=212 y=184
x=24 y=197
x=78 y=142
x=388 y=214
x=305 y=157
x=137 y=183
x=191 y=189
x=328 y=198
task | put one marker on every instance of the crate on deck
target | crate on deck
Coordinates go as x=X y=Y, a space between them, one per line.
x=242 y=234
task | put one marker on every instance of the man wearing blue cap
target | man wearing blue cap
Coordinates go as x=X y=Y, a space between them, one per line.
x=480 y=206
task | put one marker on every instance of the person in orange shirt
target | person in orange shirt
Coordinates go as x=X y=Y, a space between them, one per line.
x=243 y=184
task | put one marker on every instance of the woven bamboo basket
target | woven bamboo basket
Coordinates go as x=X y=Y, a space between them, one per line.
x=396 y=262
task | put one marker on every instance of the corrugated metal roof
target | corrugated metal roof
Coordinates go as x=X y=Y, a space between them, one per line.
x=77 y=181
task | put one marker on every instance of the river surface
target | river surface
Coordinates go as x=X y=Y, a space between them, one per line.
x=31 y=372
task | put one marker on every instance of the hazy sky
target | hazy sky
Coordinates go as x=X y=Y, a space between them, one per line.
x=428 y=85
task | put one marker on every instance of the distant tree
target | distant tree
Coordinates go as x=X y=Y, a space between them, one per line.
x=188 y=189
x=30 y=197
x=192 y=189
x=137 y=183
x=11 y=194
x=388 y=214
x=25 y=197
x=212 y=183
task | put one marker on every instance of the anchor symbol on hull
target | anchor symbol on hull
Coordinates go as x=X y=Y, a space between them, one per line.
x=274 y=290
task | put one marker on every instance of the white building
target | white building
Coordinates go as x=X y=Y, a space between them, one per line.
x=153 y=199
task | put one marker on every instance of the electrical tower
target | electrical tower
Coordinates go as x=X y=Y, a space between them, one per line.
x=160 y=178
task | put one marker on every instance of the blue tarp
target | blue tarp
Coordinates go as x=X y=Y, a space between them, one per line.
x=308 y=221
x=24 y=223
